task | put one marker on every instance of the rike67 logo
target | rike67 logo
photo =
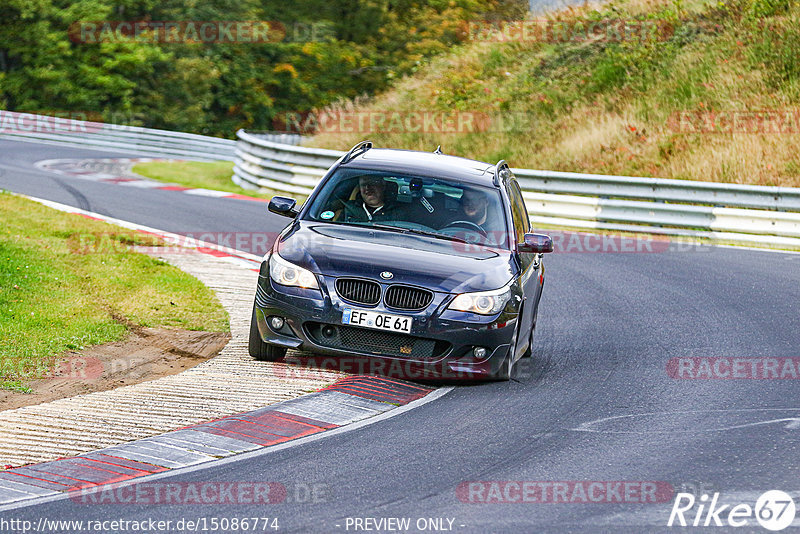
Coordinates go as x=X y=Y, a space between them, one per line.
x=774 y=510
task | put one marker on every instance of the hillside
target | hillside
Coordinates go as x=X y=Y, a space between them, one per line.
x=696 y=90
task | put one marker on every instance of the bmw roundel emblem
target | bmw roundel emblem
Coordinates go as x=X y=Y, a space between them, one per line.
x=386 y=275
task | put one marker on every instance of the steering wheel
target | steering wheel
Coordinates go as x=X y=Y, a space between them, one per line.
x=468 y=224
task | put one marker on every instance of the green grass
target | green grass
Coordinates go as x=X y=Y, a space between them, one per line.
x=16 y=385
x=67 y=282
x=202 y=175
x=214 y=175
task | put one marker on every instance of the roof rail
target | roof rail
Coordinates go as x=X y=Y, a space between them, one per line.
x=497 y=170
x=438 y=150
x=363 y=146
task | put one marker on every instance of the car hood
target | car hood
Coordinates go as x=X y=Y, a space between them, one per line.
x=437 y=264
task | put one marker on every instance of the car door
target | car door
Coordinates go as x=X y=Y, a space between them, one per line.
x=529 y=263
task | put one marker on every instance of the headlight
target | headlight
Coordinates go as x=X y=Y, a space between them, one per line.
x=287 y=274
x=483 y=303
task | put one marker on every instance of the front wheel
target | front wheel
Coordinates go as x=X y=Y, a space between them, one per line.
x=507 y=367
x=528 y=353
x=259 y=350
x=504 y=373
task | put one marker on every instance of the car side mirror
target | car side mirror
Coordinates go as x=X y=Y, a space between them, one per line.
x=283 y=206
x=536 y=244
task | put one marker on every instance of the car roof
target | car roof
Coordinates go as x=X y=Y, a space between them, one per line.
x=425 y=164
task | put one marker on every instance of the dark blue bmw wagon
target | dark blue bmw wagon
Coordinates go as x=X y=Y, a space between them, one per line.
x=421 y=263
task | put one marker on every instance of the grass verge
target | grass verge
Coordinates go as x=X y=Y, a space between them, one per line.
x=67 y=282
x=198 y=174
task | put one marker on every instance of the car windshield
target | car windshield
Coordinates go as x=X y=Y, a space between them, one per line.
x=437 y=207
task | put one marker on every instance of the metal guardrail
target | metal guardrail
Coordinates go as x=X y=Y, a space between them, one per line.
x=261 y=163
x=716 y=211
x=114 y=137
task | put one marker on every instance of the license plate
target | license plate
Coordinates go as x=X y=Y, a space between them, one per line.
x=378 y=321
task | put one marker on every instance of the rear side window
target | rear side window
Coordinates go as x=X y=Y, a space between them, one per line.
x=519 y=213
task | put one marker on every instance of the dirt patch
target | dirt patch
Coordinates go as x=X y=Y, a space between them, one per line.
x=146 y=354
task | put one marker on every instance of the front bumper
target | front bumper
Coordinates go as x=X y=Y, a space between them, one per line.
x=439 y=346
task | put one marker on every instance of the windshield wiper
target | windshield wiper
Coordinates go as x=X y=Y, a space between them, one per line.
x=388 y=227
x=441 y=236
x=435 y=235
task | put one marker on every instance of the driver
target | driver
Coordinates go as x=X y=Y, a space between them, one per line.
x=371 y=202
x=475 y=206
x=475 y=210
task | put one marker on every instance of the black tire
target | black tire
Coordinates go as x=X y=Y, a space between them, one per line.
x=259 y=350
x=529 y=352
x=507 y=367
x=504 y=373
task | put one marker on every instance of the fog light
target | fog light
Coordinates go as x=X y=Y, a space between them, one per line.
x=479 y=352
x=328 y=331
x=276 y=323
